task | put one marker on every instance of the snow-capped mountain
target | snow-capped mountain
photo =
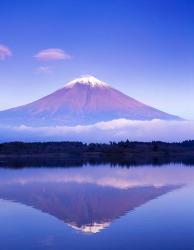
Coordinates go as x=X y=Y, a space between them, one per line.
x=85 y=100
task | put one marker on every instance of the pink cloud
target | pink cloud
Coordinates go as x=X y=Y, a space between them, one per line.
x=4 y=52
x=52 y=54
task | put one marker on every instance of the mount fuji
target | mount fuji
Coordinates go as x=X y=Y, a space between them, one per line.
x=85 y=100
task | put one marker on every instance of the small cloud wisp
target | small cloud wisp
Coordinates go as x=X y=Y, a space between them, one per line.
x=44 y=70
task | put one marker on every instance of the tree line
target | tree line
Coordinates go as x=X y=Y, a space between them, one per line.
x=122 y=147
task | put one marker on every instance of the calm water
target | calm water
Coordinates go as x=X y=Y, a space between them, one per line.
x=139 y=208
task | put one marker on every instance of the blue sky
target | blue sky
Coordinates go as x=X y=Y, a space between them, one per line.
x=143 y=48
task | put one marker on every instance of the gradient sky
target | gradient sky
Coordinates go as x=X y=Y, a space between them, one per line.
x=143 y=48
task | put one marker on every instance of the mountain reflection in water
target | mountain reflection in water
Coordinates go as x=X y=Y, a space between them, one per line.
x=89 y=199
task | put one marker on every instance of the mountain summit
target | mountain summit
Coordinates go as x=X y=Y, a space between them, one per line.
x=87 y=80
x=85 y=100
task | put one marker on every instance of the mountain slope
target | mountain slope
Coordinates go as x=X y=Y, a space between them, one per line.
x=85 y=100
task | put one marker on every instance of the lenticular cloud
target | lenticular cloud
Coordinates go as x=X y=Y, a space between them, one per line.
x=52 y=54
x=115 y=130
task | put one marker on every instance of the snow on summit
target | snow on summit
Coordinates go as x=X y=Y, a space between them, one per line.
x=87 y=80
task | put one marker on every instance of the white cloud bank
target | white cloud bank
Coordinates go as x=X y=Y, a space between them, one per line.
x=115 y=130
x=52 y=54
x=4 y=52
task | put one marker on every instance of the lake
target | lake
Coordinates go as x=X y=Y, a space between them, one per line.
x=97 y=207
